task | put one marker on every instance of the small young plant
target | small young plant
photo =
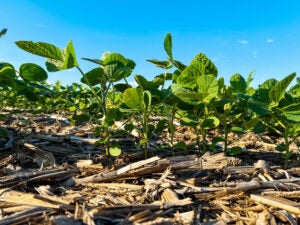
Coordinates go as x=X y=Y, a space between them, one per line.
x=112 y=68
x=231 y=108
x=278 y=111
x=139 y=102
x=197 y=85
x=168 y=99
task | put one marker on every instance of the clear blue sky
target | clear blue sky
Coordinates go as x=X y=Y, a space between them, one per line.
x=238 y=35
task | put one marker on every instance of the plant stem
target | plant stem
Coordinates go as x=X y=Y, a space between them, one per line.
x=145 y=132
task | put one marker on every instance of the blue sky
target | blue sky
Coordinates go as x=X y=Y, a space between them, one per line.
x=238 y=35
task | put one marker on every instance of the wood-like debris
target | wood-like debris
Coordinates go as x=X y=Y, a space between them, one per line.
x=62 y=180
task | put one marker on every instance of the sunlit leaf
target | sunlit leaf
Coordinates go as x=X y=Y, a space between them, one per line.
x=168 y=45
x=32 y=72
x=42 y=49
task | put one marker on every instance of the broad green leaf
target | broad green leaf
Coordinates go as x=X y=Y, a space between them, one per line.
x=29 y=94
x=187 y=95
x=115 y=149
x=68 y=60
x=121 y=87
x=238 y=130
x=210 y=122
x=39 y=86
x=208 y=66
x=161 y=125
x=252 y=122
x=7 y=75
x=259 y=108
x=84 y=117
x=238 y=83
x=292 y=116
x=7 y=69
x=262 y=93
x=129 y=127
x=279 y=89
x=42 y=49
x=95 y=76
x=113 y=114
x=199 y=66
x=113 y=58
x=168 y=45
x=161 y=64
x=142 y=82
x=235 y=150
x=133 y=98
x=189 y=121
x=189 y=75
x=208 y=87
x=32 y=72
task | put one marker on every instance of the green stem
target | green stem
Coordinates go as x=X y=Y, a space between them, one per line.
x=145 y=132
x=90 y=86
x=287 y=146
x=225 y=134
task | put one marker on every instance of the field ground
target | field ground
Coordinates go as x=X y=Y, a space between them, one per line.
x=51 y=173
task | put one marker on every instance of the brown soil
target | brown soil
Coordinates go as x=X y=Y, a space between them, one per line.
x=52 y=173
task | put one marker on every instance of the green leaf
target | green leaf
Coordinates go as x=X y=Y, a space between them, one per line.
x=238 y=83
x=168 y=45
x=262 y=93
x=161 y=64
x=161 y=125
x=115 y=149
x=235 y=150
x=208 y=87
x=187 y=95
x=113 y=114
x=95 y=77
x=252 y=122
x=238 y=130
x=199 y=66
x=179 y=65
x=97 y=61
x=180 y=145
x=84 y=117
x=68 y=60
x=129 y=127
x=259 y=108
x=147 y=100
x=32 y=72
x=42 y=49
x=144 y=141
x=133 y=98
x=3 y=32
x=210 y=122
x=189 y=121
x=121 y=87
x=7 y=75
x=279 y=89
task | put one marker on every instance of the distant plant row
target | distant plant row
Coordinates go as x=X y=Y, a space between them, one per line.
x=193 y=94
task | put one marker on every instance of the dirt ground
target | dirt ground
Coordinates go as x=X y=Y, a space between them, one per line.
x=52 y=173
